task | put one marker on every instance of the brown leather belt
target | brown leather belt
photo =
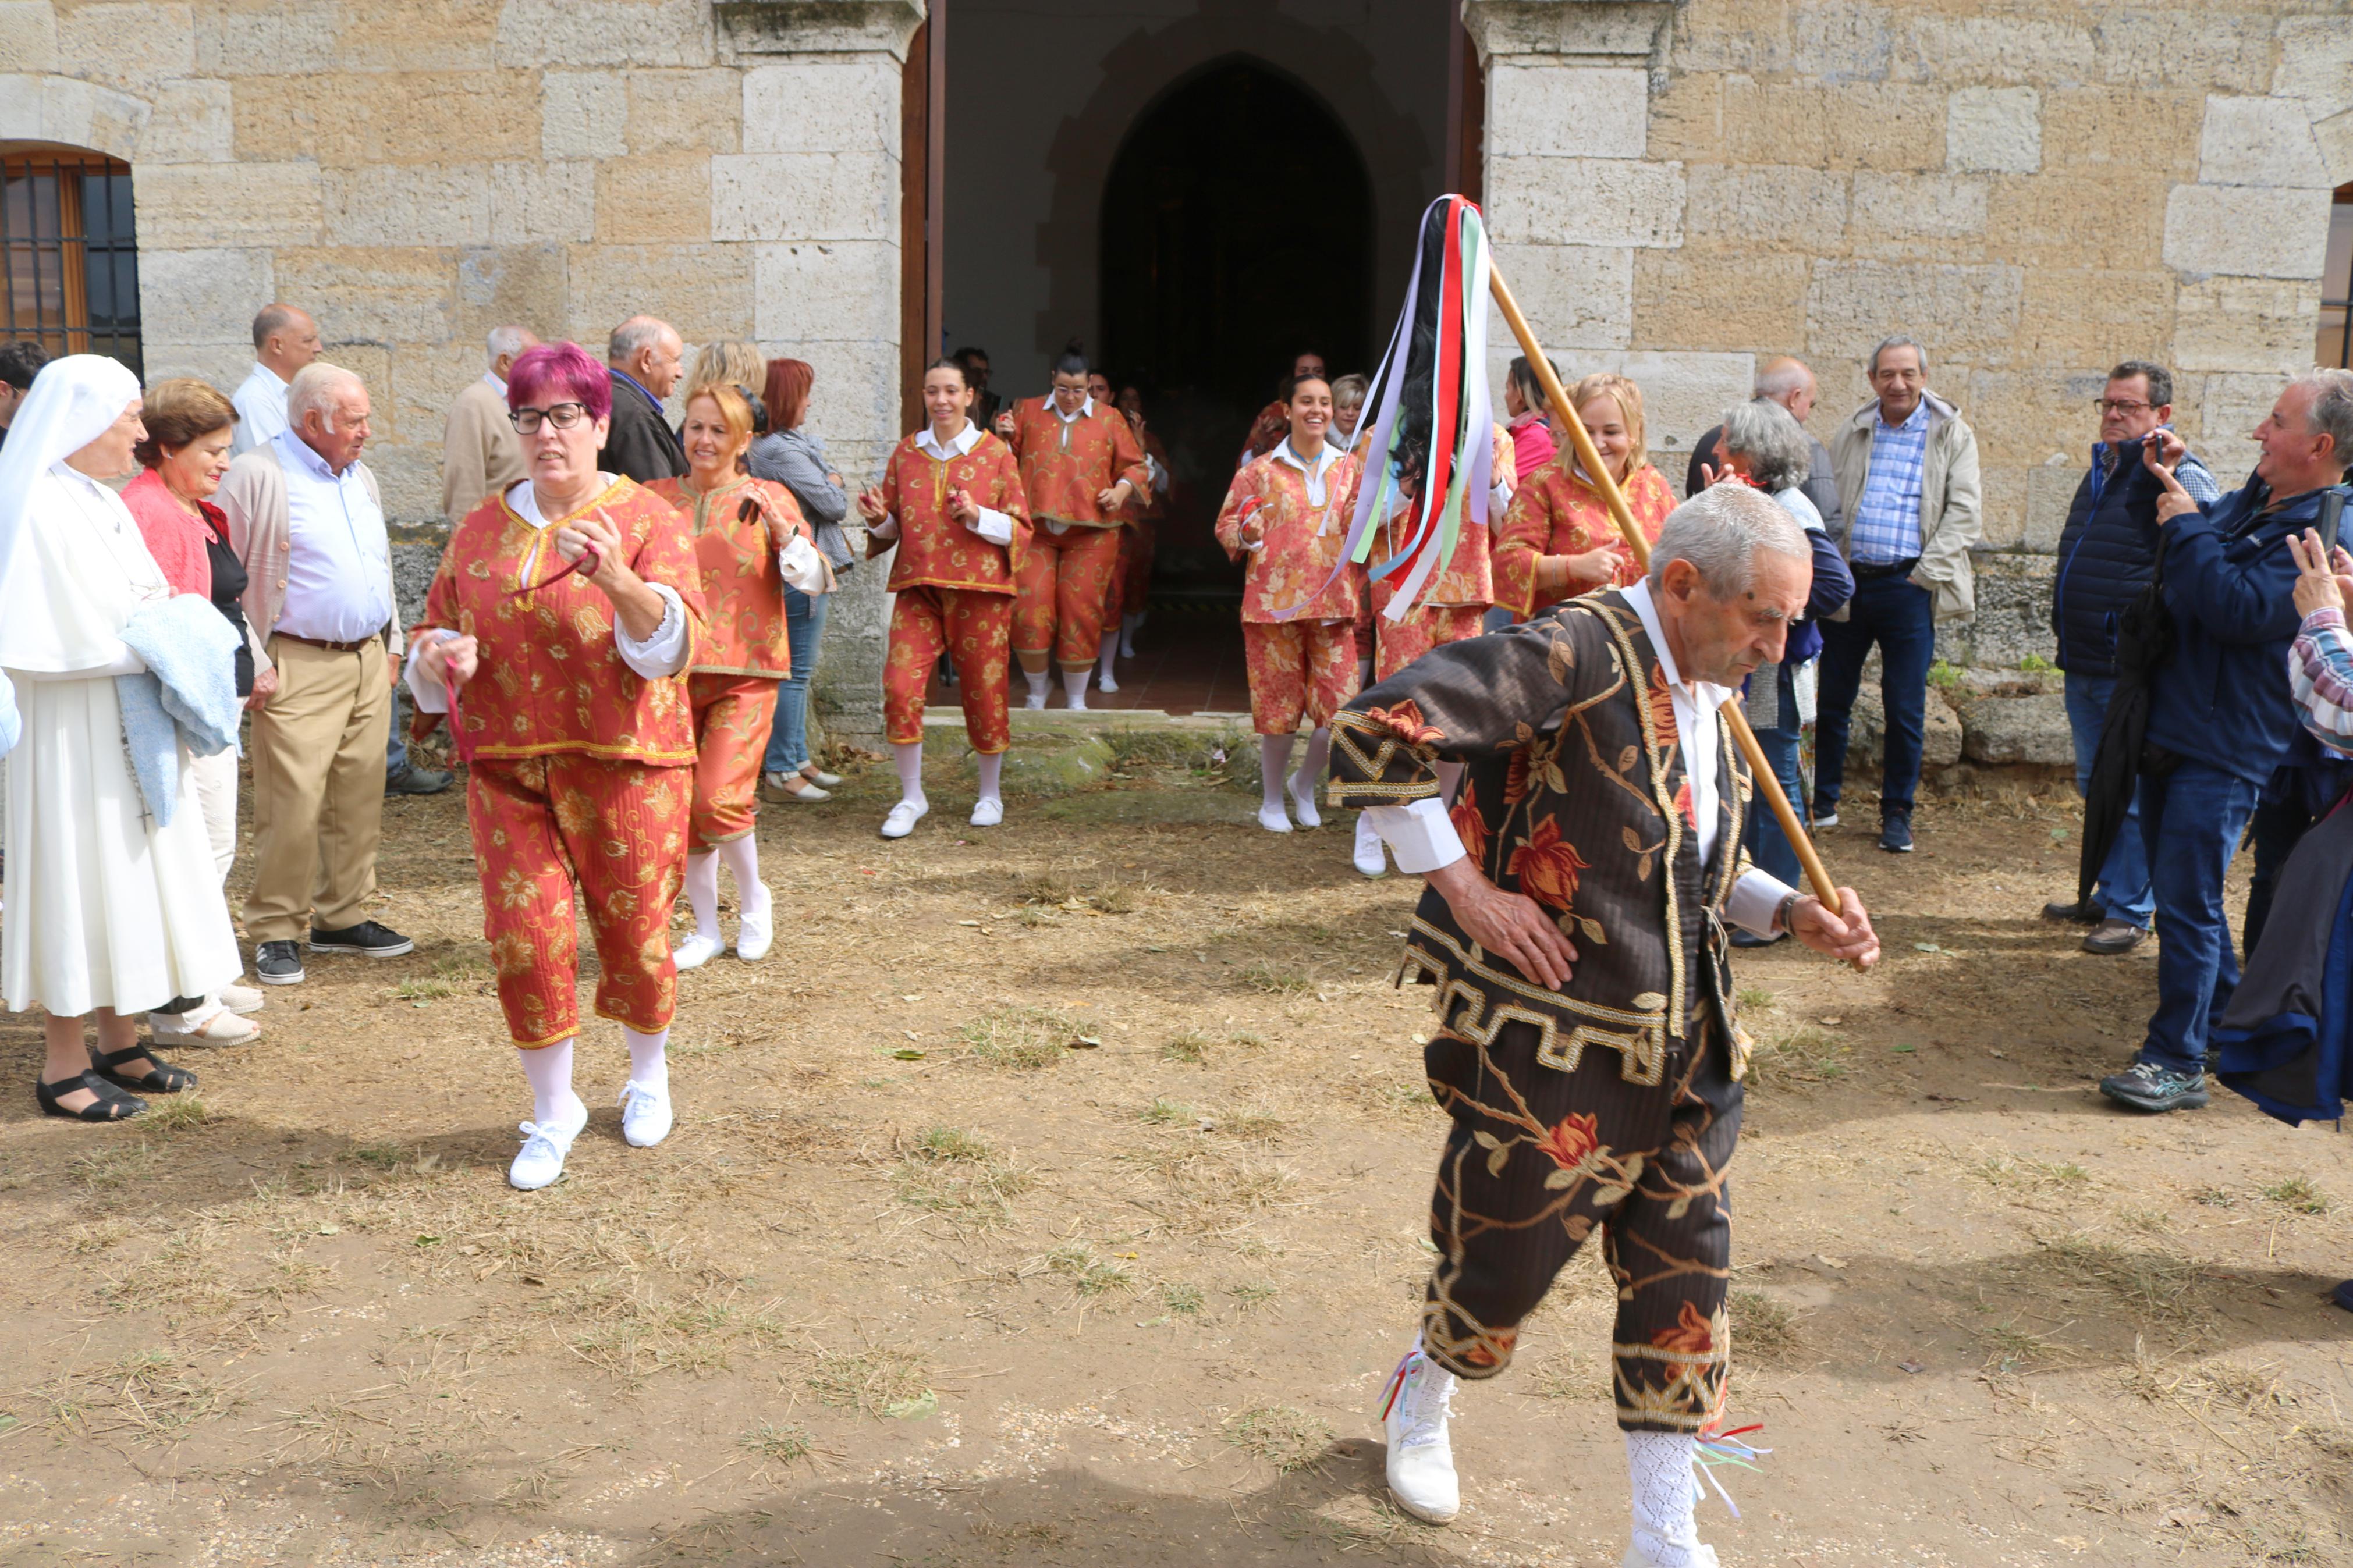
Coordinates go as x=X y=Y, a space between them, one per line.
x=331 y=647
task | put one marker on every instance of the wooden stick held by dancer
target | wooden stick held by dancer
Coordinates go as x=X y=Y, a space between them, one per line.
x=1615 y=499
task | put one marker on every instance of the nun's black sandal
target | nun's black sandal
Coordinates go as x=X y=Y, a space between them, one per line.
x=161 y=1077
x=107 y=1104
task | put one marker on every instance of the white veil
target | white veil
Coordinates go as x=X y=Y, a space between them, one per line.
x=71 y=403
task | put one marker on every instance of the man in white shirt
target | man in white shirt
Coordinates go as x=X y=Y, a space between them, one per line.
x=307 y=519
x=284 y=340
x=1589 y=1053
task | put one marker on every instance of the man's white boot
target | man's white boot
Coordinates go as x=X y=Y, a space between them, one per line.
x=1422 y=1455
x=1371 y=854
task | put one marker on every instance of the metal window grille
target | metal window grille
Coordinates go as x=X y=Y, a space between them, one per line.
x=67 y=237
x=2335 y=346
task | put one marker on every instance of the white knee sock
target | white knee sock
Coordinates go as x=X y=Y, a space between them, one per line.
x=1106 y=657
x=909 y=756
x=1274 y=757
x=549 y=1070
x=1450 y=780
x=1665 y=1490
x=1074 y=685
x=648 y=1057
x=1128 y=626
x=1036 y=679
x=992 y=777
x=742 y=856
x=702 y=892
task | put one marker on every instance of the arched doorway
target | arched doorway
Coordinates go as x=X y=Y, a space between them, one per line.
x=1237 y=230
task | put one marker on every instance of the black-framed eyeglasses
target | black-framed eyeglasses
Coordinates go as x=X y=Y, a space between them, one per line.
x=2119 y=406
x=563 y=415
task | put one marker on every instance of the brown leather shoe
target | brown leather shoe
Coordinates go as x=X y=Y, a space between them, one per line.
x=2110 y=938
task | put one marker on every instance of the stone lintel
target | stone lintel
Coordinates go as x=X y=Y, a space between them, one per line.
x=1592 y=32
x=749 y=28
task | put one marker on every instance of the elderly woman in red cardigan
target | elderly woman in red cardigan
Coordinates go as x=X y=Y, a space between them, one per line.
x=556 y=636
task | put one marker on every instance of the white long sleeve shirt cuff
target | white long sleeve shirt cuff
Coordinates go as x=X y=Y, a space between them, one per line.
x=1754 y=901
x=1499 y=501
x=995 y=527
x=663 y=654
x=430 y=696
x=801 y=566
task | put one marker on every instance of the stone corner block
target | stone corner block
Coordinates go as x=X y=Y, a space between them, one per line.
x=2259 y=141
x=2246 y=231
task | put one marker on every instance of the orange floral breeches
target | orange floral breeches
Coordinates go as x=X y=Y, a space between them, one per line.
x=616 y=831
x=975 y=629
x=732 y=715
x=1396 y=644
x=1065 y=580
x=1298 y=668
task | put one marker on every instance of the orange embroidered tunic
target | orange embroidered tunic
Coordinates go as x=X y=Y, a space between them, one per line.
x=742 y=587
x=1555 y=514
x=1468 y=578
x=551 y=678
x=1065 y=463
x=935 y=550
x=1304 y=538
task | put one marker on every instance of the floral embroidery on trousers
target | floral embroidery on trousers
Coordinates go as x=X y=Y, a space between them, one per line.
x=616 y=831
x=1536 y=1159
x=1298 y=668
x=732 y=715
x=1396 y=644
x=973 y=628
x=1066 y=580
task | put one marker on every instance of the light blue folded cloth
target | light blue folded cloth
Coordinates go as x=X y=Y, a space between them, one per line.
x=11 y=726
x=189 y=694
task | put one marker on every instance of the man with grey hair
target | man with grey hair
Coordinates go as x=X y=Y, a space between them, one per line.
x=2223 y=721
x=1588 y=1051
x=481 y=456
x=646 y=358
x=1791 y=383
x=284 y=340
x=306 y=518
x=1907 y=468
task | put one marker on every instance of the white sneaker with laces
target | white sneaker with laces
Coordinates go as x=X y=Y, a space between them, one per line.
x=1372 y=855
x=695 y=952
x=1422 y=1455
x=987 y=812
x=1273 y=819
x=242 y=1000
x=646 y=1115
x=903 y=817
x=1303 y=806
x=755 y=934
x=544 y=1149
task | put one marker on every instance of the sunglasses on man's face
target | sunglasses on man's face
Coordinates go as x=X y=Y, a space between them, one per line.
x=563 y=415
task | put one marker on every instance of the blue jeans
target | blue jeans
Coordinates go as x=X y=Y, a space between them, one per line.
x=2122 y=891
x=2190 y=825
x=1768 y=847
x=804 y=629
x=1900 y=620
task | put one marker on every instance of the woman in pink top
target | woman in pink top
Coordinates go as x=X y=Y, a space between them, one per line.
x=1523 y=405
x=180 y=463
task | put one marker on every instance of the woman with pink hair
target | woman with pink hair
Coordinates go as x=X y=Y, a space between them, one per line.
x=556 y=638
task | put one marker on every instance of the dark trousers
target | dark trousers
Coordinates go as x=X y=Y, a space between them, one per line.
x=2191 y=819
x=2277 y=827
x=1537 y=1157
x=1768 y=847
x=1900 y=620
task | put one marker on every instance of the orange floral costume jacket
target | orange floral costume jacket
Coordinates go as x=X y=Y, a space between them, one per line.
x=937 y=550
x=1556 y=513
x=552 y=682
x=1066 y=462
x=1303 y=541
x=742 y=588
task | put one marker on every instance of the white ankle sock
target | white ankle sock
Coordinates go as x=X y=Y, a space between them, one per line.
x=702 y=891
x=742 y=857
x=909 y=757
x=1037 y=680
x=1450 y=780
x=1274 y=758
x=1665 y=1492
x=549 y=1070
x=1074 y=685
x=992 y=777
x=648 y=1057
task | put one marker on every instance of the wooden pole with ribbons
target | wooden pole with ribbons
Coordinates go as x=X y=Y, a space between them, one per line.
x=1615 y=499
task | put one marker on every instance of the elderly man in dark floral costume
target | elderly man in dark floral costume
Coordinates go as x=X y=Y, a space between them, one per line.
x=1574 y=927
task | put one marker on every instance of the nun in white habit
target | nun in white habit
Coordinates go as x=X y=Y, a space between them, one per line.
x=109 y=914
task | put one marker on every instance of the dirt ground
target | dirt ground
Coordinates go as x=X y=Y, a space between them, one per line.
x=1055 y=1194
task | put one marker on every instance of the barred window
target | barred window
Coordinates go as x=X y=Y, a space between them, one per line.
x=73 y=262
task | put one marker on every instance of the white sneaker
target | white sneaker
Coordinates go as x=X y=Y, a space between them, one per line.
x=903 y=817
x=1686 y=1557
x=1106 y=682
x=1272 y=819
x=1035 y=702
x=1303 y=806
x=1372 y=855
x=1127 y=645
x=222 y=1028
x=242 y=1000
x=695 y=952
x=544 y=1149
x=646 y=1116
x=1422 y=1455
x=755 y=934
x=987 y=812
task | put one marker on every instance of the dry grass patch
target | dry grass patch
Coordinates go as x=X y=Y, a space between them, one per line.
x=1765 y=1330
x=626 y=1328
x=877 y=1381
x=1801 y=1057
x=1206 y=1192
x=1283 y=1436
x=2160 y=1290
x=1022 y=1039
x=1089 y=1273
x=147 y=1397
x=772 y=1449
x=1275 y=979
x=957 y=1175
x=2019 y=1173
x=2297 y=1195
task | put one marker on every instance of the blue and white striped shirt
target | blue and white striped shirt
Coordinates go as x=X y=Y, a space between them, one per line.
x=1886 y=527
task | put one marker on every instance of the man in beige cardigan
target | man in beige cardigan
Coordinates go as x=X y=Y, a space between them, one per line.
x=306 y=518
x=481 y=454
